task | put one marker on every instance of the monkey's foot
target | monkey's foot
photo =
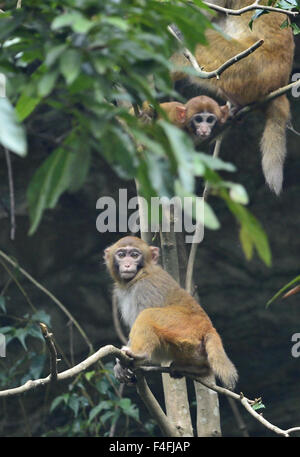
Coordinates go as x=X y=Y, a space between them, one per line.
x=175 y=371
x=124 y=374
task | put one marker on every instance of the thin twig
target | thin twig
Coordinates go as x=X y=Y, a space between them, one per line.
x=21 y=288
x=53 y=298
x=71 y=337
x=52 y=351
x=114 y=424
x=198 y=229
x=216 y=73
x=11 y=194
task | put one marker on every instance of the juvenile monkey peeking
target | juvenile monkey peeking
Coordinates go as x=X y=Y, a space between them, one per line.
x=166 y=322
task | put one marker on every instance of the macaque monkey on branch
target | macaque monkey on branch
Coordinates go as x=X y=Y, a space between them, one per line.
x=167 y=324
x=252 y=78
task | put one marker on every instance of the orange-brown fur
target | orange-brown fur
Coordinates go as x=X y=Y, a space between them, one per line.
x=169 y=325
x=203 y=103
x=250 y=79
x=170 y=108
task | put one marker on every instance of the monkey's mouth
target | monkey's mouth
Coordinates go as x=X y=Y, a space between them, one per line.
x=127 y=274
x=203 y=135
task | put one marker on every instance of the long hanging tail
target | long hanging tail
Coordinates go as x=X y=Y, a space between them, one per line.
x=218 y=360
x=273 y=142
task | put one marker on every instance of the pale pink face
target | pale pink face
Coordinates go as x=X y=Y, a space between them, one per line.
x=202 y=124
x=126 y=261
x=129 y=260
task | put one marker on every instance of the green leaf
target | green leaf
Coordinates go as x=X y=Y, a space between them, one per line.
x=129 y=408
x=280 y=292
x=37 y=365
x=25 y=106
x=74 y=403
x=79 y=168
x=117 y=22
x=54 y=53
x=12 y=135
x=215 y=163
x=75 y=20
x=41 y=316
x=47 y=185
x=6 y=329
x=258 y=405
x=246 y=243
x=238 y=193
x=21 y=335
x=182 y=148
x=57 y=401
x=70 y=63
x=252 y=231
x=103 y=405
x=88 y=375
x=46 y=83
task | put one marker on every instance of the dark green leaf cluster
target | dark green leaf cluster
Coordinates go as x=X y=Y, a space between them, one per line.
x=72 y=70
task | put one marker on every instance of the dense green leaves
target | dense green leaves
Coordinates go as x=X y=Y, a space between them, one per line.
x=73 y=65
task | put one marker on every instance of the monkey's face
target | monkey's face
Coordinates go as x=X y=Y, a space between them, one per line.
x=202 y=124
x=128 y=261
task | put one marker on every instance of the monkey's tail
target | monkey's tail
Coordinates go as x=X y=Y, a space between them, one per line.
x=273 y=142
x=218 y=360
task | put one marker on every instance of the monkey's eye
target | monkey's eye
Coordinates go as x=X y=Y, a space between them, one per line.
x=135 y=255
x=121 y=254
x=211 y=119
x=198 y=118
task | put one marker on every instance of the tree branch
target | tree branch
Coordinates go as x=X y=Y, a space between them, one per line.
x=105 y=351
x=215 y=73
x=247 y=403
x=154 y=408
x=144 y=391
x=254 y=6
x=11 y=194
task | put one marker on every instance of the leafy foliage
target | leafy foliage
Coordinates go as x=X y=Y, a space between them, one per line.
x=78 y=64
x=92 y=407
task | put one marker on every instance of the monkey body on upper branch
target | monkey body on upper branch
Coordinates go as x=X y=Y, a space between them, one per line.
x=167 y=324
x=249 y=80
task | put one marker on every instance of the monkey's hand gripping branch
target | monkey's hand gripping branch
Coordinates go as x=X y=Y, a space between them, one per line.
x=124 y=370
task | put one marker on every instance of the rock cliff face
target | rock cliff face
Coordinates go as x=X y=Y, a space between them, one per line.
x=66 y=256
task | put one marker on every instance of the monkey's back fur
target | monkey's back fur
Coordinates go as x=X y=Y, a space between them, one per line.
x=171 y=326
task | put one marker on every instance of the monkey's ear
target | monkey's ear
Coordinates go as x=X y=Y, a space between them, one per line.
x=180 y=114
x=154 y=253
x=106 y=253
x=224 y=113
